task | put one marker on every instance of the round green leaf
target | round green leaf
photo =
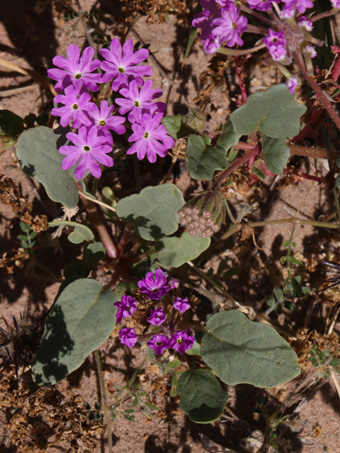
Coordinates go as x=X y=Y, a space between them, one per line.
x=80 y=321
x=38 y=154
x=228 y=137
x=273 y=112
x=153 y=210
x=174 y=251
x=94 y=253
x=246 y=352
x=203 y=160
x=276 y=154
x=202 y=397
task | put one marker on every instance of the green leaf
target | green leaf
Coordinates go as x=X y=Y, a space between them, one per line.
x=124 y=287
x=37 y=151
x=204 y=160
x=80 y=233
x=243 y=351
x=80 y=321
x=272 y=112
x=228 y=137
x=276 y=154
x=202 y=397
x=94 y=253
x=192 y=36
x=10 y=123
x=153 y=210
x=294 y=260
x=175 y=126
x=174 y=251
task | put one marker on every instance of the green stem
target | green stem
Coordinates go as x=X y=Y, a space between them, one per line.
x=234 y=52
x=104 y=398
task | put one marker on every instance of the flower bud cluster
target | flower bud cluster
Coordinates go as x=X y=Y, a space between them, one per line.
x=222 y=23
x=156 y=286
x=203 y=215
x=76 y=77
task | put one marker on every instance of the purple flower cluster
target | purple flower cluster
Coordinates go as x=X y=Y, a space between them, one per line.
x=221 y=23
x=155 y=286
x=76 y=78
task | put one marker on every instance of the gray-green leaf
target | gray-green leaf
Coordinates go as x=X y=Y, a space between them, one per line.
x=174 y=251
x=273 y=112
x=276 y=154
x=202 y=397
x=153 y=210
x=38 y=154
x=204 y=160
x=243 y=351
x=80 y=321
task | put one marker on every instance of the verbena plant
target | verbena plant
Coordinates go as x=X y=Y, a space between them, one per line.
x=156 y=230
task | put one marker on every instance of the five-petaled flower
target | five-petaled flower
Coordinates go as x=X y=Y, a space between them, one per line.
x=182 y=341
x=157 y=317
x=75 y=106
x=104 y=120
x=88 y=150
x=159 y=343
x=120 y=64
x=128 y=337
x=150 y=137
x=154 y=285
x=76 y=70
x=181 y=305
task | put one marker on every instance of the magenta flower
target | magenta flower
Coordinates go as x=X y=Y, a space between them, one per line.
x=104 y=120
x=261 y=5
x=335 y=3
x=139 y=101
x=181 y=305
x=310 y=50
x=291 y=5
x=76 y=70
x=304 y=22
x=158 y=343
x=121 y=64
x=154 y=285
x=276 y=43
x=204 y=21
x=89 y=151
x=151 y=138
x=126 y=307
x=173 y=283
x=74 y=108
x=230 y=26
x=182 y=341
x=128 y=337
x=292 y=83
x=157 y=317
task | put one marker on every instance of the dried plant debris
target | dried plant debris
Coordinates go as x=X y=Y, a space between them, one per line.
x=155 y=10
x=19 y=340
x=35 y=421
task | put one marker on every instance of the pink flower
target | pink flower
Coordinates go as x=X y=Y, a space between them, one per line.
x=76 y=70
x=154 y=285
x=75 y=106
x=151 y=138
x=276 y=44
x=230 y=26
x=158 y=343
x=292 y=83
x=126 y=307
x=103 y=119
x=261 y=5
x=157 y=317
x=182 y=341
x=120 y=64
x=181 y=305
x=128 y=337
x=138 y=101
x=88 y=150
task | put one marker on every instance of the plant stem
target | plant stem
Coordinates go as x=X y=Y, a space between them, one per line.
x=104 y=398
x=318 y=91
x=97 y=222
x=234 y=52
x=257 y=15
x=329 y=13
x=319 y=153
x=336 y=199
x=236 y=164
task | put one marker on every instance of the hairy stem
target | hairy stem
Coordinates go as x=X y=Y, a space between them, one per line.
x=318 y=91
x=104 y=398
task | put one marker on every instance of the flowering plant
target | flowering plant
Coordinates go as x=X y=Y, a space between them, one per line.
x=161 y=210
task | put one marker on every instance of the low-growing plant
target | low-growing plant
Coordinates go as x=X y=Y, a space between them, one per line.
x=106 y=119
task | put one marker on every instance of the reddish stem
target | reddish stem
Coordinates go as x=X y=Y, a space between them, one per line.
x=318 y=91
x=319 y=153
x=336 y=70
x=97 y=222
x=308 y=127
x=236 y=164
x=239 y=76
